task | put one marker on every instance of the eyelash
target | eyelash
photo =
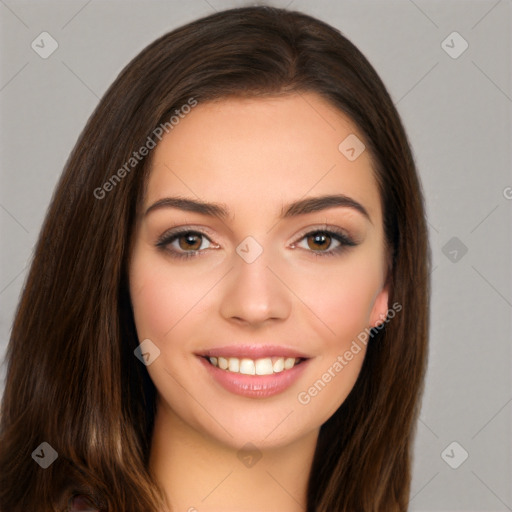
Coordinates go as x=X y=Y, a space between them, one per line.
x=170 y=236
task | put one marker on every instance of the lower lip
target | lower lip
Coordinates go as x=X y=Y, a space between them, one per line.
x=255 y=386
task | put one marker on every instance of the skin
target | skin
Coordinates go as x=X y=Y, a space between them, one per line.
x=253 y=155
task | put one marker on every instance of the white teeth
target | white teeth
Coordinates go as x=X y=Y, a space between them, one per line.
x=264 y=366
x=289 y=362
x=234 y=364
x=246 y=366
x=279 y=365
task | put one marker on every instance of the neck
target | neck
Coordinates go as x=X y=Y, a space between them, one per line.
x=200 y=474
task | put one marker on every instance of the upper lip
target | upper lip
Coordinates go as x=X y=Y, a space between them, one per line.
x=252 y=352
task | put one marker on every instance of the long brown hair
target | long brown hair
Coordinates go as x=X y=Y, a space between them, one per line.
x=72 y=378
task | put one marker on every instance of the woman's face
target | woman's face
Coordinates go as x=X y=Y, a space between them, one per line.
x=267 y=277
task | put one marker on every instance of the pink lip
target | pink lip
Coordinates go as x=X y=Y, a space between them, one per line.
x=255 y=386
x=252 y=352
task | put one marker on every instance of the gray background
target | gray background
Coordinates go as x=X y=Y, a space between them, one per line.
x=457 y=112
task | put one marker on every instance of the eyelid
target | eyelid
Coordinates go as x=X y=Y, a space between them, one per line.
x=322 y=227
x=344 y=239
x=187 y=228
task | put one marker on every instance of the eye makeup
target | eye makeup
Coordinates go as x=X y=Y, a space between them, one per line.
x=319 y=235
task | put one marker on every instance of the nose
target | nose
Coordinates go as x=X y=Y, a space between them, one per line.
x=254 y=292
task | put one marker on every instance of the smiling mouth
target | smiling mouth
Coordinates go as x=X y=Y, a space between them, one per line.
x=262 y=366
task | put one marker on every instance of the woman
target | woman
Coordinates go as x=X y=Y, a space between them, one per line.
x=228 y=303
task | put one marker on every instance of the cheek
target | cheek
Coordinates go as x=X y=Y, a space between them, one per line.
x=342 y=296
x=343 y=302
x=161 y=298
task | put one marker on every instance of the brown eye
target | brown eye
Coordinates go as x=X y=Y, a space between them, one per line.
x=185 y=243
x=325 y=242
x=190 y=241
x=319 y=241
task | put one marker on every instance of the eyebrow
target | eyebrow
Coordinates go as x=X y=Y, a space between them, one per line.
x=300 y=207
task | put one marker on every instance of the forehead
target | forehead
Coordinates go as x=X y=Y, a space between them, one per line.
x=262 y=152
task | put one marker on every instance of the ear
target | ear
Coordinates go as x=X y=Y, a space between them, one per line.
x=380 y=308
